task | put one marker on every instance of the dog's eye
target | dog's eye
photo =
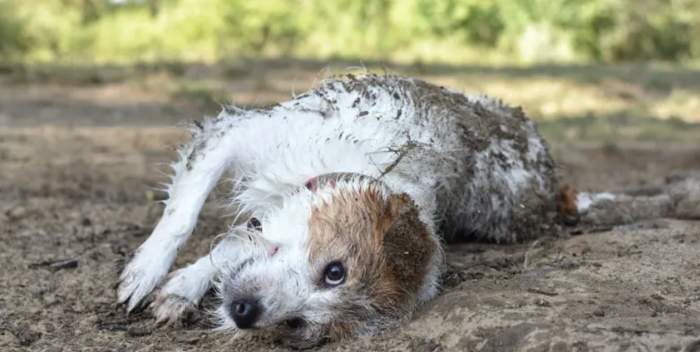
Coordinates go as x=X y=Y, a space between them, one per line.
x=254 y=224
x=335 y=274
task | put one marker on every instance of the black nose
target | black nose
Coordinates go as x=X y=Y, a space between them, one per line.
x=245 y=313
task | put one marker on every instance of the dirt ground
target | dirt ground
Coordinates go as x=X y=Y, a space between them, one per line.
x=75 y=186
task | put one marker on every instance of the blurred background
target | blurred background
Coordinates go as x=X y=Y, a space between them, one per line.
x=91 y=90
x=583 y=68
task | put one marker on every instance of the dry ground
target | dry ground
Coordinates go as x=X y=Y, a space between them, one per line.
x=76 y=161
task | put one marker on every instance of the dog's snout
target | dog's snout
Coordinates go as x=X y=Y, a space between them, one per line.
x=245 y=313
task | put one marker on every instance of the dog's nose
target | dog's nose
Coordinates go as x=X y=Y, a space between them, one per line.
x=245 y=313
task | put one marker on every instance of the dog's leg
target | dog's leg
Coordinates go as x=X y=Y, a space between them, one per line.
x=179 y=298
x=201 y=166
x=679 y=199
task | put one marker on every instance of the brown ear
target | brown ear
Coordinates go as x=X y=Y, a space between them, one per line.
x=407 y=243
x=397 y=203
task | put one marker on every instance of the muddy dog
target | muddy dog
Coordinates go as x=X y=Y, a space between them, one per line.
x=351 y=191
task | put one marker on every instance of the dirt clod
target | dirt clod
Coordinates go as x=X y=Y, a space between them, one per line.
x=542 y=292
x=138 y=331
x=430 y=346
x=24 y=334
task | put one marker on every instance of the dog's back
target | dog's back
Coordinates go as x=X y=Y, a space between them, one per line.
x=483 y=162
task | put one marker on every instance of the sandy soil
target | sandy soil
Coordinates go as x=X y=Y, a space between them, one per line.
x=78 y=191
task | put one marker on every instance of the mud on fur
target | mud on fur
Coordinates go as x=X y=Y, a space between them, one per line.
x=350 y=192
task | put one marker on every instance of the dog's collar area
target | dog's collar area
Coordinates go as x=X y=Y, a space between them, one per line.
x=312 y=183
x=315 y=183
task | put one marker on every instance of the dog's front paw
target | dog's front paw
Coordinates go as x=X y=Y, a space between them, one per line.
x=169 y=309
x=140 y=275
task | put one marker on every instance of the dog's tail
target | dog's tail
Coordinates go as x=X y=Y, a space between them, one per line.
x=678 y=198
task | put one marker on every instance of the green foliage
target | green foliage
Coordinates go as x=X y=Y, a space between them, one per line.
x=13 y=39
x=653 y=29
x=477 y=22
x=413 y=30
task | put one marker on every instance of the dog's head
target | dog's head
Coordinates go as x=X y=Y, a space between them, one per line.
x=339 y=259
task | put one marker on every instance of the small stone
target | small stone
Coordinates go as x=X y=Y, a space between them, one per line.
x=16 y=213
x=26 y=336
x=542 y=302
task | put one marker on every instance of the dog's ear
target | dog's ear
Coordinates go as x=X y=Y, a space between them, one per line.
x=407 y=244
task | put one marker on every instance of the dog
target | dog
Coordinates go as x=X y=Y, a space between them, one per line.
x=352 y=191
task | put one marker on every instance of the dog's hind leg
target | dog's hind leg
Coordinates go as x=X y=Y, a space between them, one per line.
x=678 y=199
